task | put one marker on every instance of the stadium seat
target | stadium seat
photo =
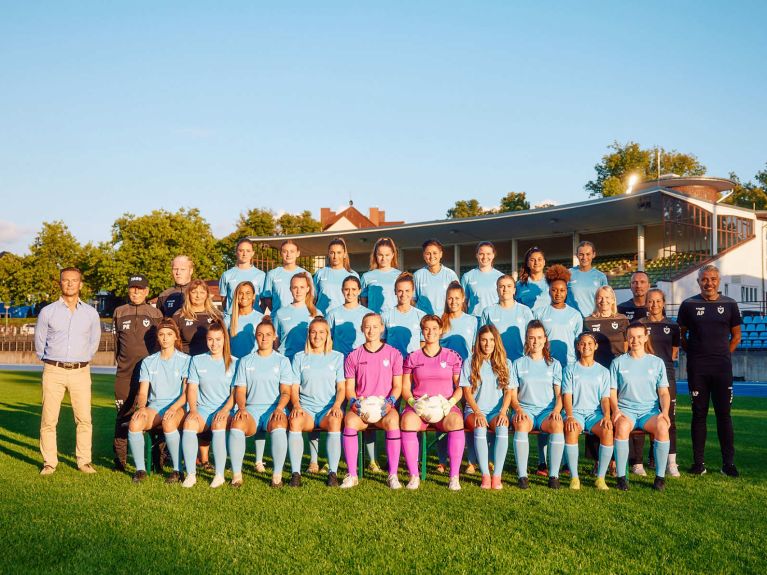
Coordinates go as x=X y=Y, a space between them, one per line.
x=748 y=319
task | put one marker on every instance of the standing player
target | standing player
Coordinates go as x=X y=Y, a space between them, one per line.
x=292 y=321
x=710 y=331
x=479 y=283
x=636 y=308
x=195 y=316
x=374 y=369
x=172 y=299
x=328 y=280
x=243 y=319
x=135 y=333
x=244 y=270
x=532 y=288
x=277 y=282
x=431 y=281
x=563 y=324
x=584 y=280
x=639 y=400
x=378 y=283
x=346 y=320
x=509 y=317
x=403 y=322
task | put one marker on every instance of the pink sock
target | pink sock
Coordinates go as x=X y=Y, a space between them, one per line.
x=456 y=441
x=393 y=446
x=410 y=447
x=351 y=450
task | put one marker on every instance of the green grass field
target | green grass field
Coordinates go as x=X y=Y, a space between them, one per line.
x=70 y=522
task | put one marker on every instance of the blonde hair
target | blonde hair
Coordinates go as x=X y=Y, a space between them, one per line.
x=186 y=309
x=236 y=308
x=497 y=359
x=609 y=290
x=381 y=242
x=309 y=299
x=328 y=342
x=218 y=325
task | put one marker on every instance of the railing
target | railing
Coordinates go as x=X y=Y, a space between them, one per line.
x=27 y=342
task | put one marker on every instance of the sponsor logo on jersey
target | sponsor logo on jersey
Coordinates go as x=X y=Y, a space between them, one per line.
x=667 y=330
x=720 y=309
x=146 y=322
x=202 y=370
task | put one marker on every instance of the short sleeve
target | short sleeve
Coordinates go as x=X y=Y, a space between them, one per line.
x=513 y=379
x=339 y=359
x=465 y=380
x=735 y=317
x=397 y=363
x=557 y=373
x=222 y=285
x=407 y=365
x=185 y=365
x=662 y=380
x=364 y=290
x=484 y=319
x=602 y=279
x=578 y=324
x=605 y=387
x=267 y=291
x=240 y=378
x=194 y=376
x=682 y=318
x=296 y=369
x=349 y=371
x=456 y=362
x=614 y=373
x=465 y=282
x=675 y=337
x=144 y=371
x=286 y=372
x=567 y=380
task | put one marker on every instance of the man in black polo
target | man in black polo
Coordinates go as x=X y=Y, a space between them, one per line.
x=710 y=330
x=135 y=333
x=172 y=299
x=634 y=309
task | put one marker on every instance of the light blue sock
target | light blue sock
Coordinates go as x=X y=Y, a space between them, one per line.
x=605 y=455
x=471 y=451
x=218 y=444
x=571 y=450
x=314 y=446
x=136 y=442
x=621 y=456
x=369 y=435
x=173 y=441
x=236 y=449
x=521 y=452
x=500 y=449
x=260 y=445
x=279 y=449
x=189 y=446
x=556 y=450
x=296 y=450
x=543 y=439
x=661 y=457
x=480 y=449
x=334 y=450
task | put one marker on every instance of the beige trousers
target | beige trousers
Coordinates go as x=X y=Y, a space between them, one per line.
x=56 y=382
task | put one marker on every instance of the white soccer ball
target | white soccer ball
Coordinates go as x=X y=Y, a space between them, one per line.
x=432 y=409
x=371 y=407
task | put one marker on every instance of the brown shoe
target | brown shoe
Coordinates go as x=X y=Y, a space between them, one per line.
x=47 y=470
x=87 y=468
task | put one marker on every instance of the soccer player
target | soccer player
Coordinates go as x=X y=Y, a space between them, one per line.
x=710 y=332
x=172 y=299
x=378 y=283
x=403 y=322
x=459 y=329
x=135 y=335
x=479 y=283
x=243 y=319
x=636 y=307
x=328 y=281
x=208 y=388
x=586 y=398
x=485 y=383
x=535 y=383
x=563 y=324
x=243 y=270
x=374 y=369
x=262 y=391
x=277 y=282
x=532 y=289
x=292 y=321
x=346 y=320
x=161 y=399
x=195 y=316
x=432 y=280
x=584 y=280
x=509 y=317
x=639 y=400
x=432 y=371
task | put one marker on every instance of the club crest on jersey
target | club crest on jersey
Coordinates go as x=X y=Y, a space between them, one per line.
x=276 y=369
x=145 y=322
x=210 y=320
x=720 y=309
x=443 y=364
x=614 y=324
x=386 y=363
x=667 y=330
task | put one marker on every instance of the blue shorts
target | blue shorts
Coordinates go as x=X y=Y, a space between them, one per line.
x=538 y=416
x=587 y=422
x=640 y=419
x=208 y=415
x=160 y=408
x=317 y=416
x=489 y=416
x=262 y=414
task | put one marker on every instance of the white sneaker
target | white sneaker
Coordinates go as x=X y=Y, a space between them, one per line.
x=349 y=482
x=218 y=481
x=190 y=481
x=673 y=470
x=638 y=469
x=414 y=483
x=260 y=467
x=454 y=484
x=393 y=482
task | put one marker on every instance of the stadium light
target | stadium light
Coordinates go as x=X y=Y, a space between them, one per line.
x=633 y=179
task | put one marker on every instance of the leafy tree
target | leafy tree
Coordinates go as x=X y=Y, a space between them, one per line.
x=514 y=201
x=465 y=209
x=749 y=195
x=303 y=223
x=257 y=222
x=10 y=267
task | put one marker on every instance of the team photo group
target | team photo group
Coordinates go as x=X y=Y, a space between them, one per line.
x=483 y=360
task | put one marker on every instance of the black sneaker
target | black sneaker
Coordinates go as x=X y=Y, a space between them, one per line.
x=554 y=482
x=139 y=476
x=697 y=469
x=522 y=483
x=332 y=479
x=118 y=465
x=622 y=484
x=730 y=470
x=174 y=477
x=295 y=480
x=659 y=484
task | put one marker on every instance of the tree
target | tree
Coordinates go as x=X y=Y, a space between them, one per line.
x=303 y=223
x=257 y=222
x=465 y=209
x=514 y=201
x=10 y=267
x=749 y=195
x=628 y=159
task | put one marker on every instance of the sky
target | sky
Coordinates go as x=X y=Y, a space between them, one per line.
x=107 y=108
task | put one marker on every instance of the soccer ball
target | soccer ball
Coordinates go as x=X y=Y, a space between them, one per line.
x=371 y=408
x=432 y=408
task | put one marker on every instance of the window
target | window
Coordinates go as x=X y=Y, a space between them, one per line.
x=748 y=294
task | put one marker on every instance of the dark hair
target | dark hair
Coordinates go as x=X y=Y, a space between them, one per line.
x=524 y=273
x=454 y=285
x=218 y=325
x=342 y=243
x=169 y=323
x=483 y=244
x=244 y=241
x=354 y=279
x=432 y=242
x=431 y=317
x=639 y=325
x=557 y=272
x=537 y=324
x=405 y=277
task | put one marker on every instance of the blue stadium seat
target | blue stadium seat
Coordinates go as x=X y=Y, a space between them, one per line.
x=749 y=327
x=760 y=327
x=745 y=344
x=748 y=319
x=756 y=344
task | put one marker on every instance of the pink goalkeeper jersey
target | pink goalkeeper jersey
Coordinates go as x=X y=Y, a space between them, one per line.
x=373 y=371
x=433 y=375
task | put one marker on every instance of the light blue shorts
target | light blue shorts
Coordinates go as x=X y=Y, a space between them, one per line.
x=640 y=419
x=208 y=415
x=262 y=414
x=317 y=416
x=538 y=416
x=160 y=408
x=587 y=422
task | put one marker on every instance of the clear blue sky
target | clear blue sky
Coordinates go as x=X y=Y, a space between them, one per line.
x=408 y=106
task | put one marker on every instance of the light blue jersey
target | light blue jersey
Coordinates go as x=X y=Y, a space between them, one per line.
x=262 y=376
x=481 y=290
x=165 y=377
x=403 y=330
x=488 y=397
x=535 y=380
x=588 y=386
x=292 y=325
x=533 y=293
x=461 y=335
x=213 y=380
x=317 y=375
x=511 y=323
x=233 y=277
x=582 y=288
x=244 y=341
x=562 y=327
x=638 y=381
x=327 y=286
x=277 y=286
x=378 y=288
x=346 y=327
x=430 y=289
